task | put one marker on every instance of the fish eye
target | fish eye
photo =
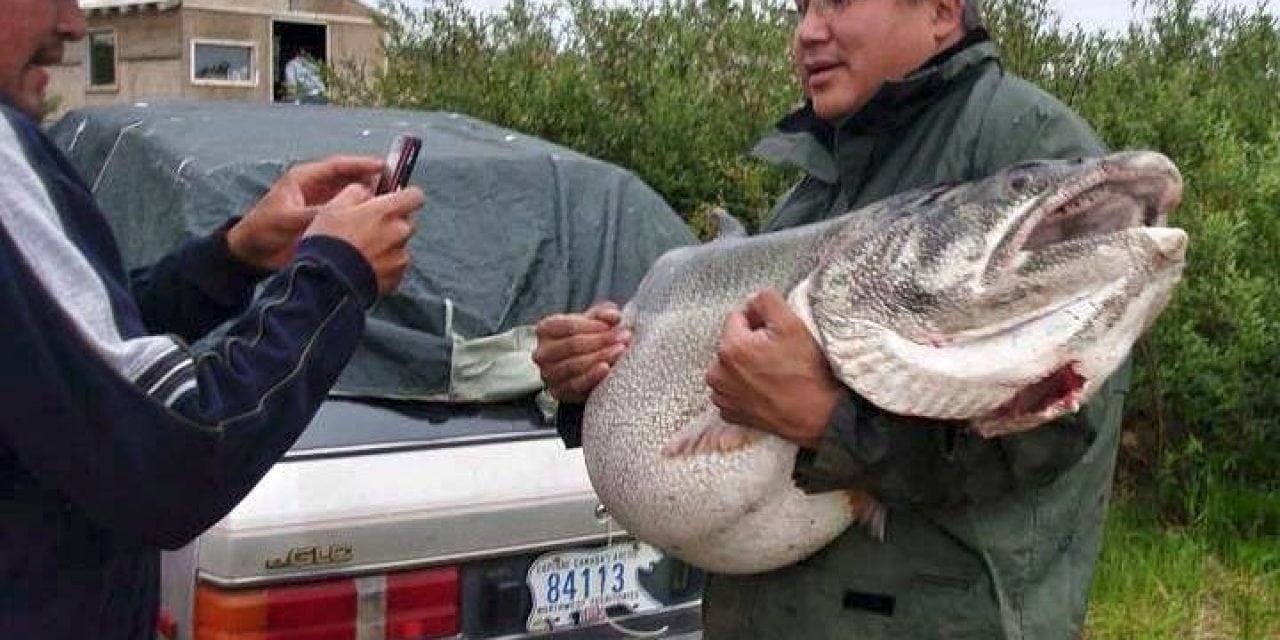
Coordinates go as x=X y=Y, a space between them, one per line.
x=1020 y=182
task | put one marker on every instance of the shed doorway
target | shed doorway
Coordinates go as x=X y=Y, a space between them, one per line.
x=290 y=39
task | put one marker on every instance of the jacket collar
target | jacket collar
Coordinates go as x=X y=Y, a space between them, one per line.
x=803 y=140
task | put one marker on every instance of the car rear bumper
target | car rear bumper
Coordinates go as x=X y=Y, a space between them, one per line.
x=680 y=622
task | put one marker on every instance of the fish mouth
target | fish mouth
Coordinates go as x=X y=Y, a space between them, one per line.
x=1051 y=396
x=1127 y=194
x=1129 y=191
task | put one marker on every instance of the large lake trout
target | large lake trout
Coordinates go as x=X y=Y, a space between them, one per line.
x=1002 y=303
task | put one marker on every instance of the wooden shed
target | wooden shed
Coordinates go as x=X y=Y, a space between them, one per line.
x=207 y=49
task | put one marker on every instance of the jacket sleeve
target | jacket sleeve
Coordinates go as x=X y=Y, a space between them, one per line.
x=923 y=464
x=569 y=424
x=196 y=288
x=160 y=457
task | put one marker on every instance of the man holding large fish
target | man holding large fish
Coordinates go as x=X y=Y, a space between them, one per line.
x=922 y=360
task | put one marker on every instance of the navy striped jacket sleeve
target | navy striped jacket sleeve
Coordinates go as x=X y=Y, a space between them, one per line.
x=194 y=289
x=147 y=437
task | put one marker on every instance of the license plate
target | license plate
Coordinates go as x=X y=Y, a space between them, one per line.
x=575 y=588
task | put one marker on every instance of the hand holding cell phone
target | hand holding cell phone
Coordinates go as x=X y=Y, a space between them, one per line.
x=379 y=228
x=401 y=158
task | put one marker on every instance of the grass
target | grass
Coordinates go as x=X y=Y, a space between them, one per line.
x=1156 y=582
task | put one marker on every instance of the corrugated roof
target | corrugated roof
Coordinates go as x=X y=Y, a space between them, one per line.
x=127 y=6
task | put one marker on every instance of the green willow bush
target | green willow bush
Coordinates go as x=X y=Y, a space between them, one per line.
x=678 y=91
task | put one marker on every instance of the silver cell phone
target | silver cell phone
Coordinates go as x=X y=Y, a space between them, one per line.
x=401 y=158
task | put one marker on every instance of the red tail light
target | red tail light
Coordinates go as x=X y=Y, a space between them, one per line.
x=422 y=604
x=413 y=605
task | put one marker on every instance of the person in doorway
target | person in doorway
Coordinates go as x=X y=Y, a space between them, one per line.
x=984 y=538
x=303 y=82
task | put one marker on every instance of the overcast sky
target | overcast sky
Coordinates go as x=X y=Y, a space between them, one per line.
x=1092 y=14
x=1115 y=14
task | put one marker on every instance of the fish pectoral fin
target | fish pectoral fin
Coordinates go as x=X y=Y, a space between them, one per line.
x=708 y=433
x=727 y=226
x=867 y=511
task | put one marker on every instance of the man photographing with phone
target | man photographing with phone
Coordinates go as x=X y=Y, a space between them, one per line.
x=117 y=438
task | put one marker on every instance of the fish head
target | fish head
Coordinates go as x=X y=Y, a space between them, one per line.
x=1004 y=302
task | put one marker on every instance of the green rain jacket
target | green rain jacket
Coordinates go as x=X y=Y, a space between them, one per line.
x=985 y=538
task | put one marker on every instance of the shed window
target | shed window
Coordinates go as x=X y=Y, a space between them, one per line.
x=222 y=62
x=102 y=59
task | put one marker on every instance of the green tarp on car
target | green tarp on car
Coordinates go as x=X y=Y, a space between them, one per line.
x=514 y=228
